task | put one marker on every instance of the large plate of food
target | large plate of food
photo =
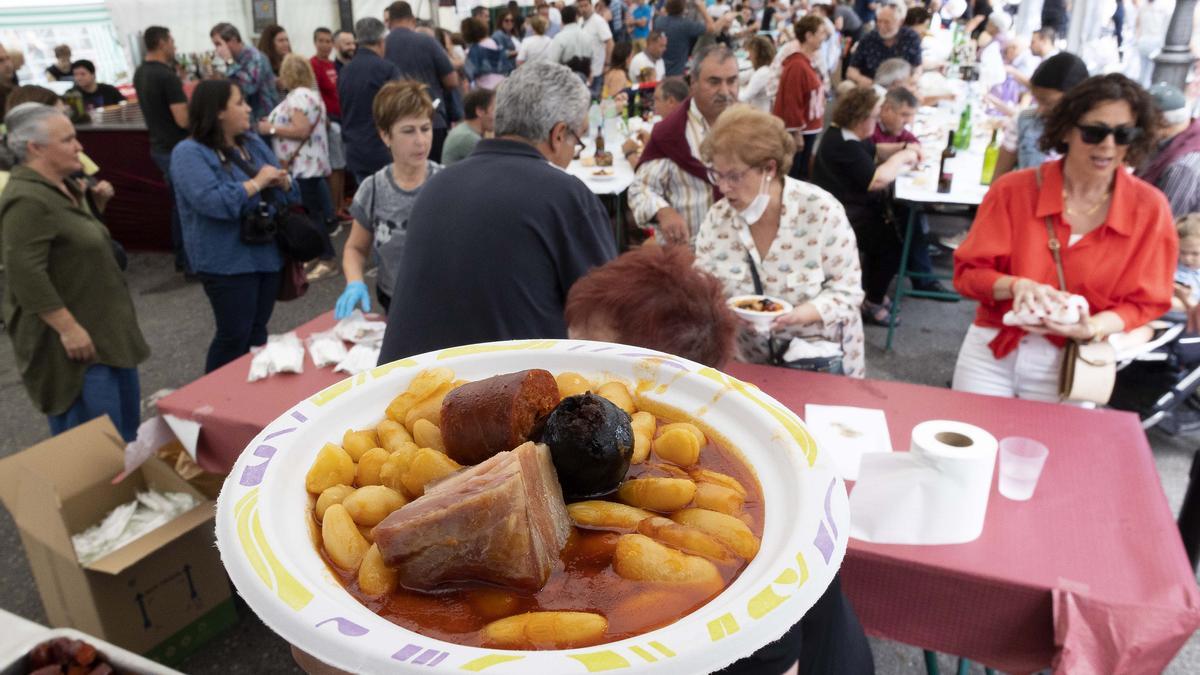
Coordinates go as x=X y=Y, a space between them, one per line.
x=549 y=506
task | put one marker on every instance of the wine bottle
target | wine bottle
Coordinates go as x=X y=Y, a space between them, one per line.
x=945 y=172
x=989 y=160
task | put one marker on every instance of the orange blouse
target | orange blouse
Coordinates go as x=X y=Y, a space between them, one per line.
x=1126 y=265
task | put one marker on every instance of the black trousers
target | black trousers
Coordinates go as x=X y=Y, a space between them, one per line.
x=829 y=639
x=879 y=246
x=803 y=157
x=242 y=306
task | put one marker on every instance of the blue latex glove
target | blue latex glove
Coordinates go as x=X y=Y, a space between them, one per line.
x=354 y=295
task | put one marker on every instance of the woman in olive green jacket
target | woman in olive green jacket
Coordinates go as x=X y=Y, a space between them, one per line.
x=66 y=306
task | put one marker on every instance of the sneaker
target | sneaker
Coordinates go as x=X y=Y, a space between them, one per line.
x=322 y=270
x=953 y=242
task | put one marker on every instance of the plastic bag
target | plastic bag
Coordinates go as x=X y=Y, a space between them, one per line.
x=150 y=511
x=325 y=349
x=282 y=354
x=360 y=358
x=358 y=330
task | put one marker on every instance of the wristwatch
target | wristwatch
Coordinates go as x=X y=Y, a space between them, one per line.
x=271 y=131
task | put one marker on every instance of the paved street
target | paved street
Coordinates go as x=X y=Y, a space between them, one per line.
x=177 y=321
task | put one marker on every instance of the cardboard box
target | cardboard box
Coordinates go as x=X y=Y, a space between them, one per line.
x=162 y=594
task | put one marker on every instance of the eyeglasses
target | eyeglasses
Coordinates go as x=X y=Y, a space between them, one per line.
x=729 y=177
x=1094 y=134
x=507 y=19
x=579 y=144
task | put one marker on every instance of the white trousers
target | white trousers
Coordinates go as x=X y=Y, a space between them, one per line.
x=1030 y=371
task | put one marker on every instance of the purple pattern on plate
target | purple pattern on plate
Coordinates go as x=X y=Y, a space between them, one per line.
x=829 y=507
x=406 y=651
x=281 y=432
x=429 y=657
x=346 y=626
x=824 y=543
x=575 y=347
x=299 y=416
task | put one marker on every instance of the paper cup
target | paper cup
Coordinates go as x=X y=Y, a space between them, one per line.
x=263 y=535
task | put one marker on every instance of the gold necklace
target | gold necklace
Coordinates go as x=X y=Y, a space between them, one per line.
x=1089 y=212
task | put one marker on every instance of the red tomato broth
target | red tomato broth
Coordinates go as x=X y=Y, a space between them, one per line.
x=583 y=580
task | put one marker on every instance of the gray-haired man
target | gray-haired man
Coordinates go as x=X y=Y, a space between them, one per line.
x=497 y=240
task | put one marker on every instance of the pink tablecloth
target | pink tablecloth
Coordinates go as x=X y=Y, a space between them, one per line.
x=1089 y=575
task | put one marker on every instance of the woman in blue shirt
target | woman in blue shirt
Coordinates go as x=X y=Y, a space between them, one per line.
x=219 y=173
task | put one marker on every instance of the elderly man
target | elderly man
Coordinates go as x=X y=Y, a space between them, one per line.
x=890 y=39
x=672 y=191
x=357 y=85
x=248 y=67
x=1175 y=168
x=487 y=259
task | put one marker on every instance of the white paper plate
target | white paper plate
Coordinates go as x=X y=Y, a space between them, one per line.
x=265 y=544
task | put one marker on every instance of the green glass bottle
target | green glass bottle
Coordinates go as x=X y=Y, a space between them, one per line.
x=962 y=137
x=989 y=160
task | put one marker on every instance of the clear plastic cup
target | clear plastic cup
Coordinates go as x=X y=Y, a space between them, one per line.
x=1021 y=462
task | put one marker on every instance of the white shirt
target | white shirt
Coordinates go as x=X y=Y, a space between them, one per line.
x=568 y=44
x=660 y=183
x=597 y=28
x=532 y=47
x=641 y=61
x=718 y=10
x=756 y=91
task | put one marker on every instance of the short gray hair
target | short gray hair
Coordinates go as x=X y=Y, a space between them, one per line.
x=897 y=6
x=26 y=124
x=369 y=31
x=720 y=52
x=892 y=72
x=537 y=96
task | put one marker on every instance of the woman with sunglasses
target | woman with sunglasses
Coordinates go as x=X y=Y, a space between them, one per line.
x=1116 y=236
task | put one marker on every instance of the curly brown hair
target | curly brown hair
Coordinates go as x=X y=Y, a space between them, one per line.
x=1095 y=90
x=854 y=106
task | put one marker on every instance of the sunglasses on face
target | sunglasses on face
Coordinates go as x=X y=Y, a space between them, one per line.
x=1094 y=134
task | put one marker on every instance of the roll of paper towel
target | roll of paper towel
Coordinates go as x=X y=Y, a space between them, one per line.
x=937 y=493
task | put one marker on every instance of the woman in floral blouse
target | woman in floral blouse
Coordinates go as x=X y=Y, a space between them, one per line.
x=795 y=235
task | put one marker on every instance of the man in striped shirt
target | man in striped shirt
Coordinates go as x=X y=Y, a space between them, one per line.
x=671 y=191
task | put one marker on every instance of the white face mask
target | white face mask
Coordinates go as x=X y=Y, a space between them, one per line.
x=758 y=206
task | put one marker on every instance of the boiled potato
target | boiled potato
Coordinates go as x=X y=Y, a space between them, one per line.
x=688 y=427
x=367 y=533
x=643 y=424
x=355 y=443
x=369 y=465
x=371 y=504
x=599 y=514
x=331 y=496
x=427 y=435
x=640 y=558
x=429 y=408
x=392 y=472
x=657 y=494
x=425 y=383
x=344 y=544
x=706 y=476
x=546 y=630
x=427 y=465
x=724 y=528
x=374 y=577
x=572 y=384
x=333 y=466
x=618 y=394
x=678 y=446
x=392 y=435
x=493 y=603
x=685 y=538
x=719 y=498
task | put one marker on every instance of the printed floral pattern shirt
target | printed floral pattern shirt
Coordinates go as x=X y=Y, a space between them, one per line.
x=312 y=161
x=814 y=258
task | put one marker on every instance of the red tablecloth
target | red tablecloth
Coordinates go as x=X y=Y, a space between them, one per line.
x=1090 y=574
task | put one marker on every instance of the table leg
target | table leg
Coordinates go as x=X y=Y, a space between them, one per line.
x=622 y=239
x=964 y=666
x=894 y=312
x=931 y=664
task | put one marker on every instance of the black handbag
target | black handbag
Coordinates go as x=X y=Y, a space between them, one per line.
x=822 y=364
x=274 y=220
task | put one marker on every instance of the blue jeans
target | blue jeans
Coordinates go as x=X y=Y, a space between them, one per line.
x=242 y=306
x=106 y=391
x=163 y=161
x=314 y=194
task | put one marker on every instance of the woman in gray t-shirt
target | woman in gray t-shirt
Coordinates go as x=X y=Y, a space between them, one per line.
x=403 y=113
